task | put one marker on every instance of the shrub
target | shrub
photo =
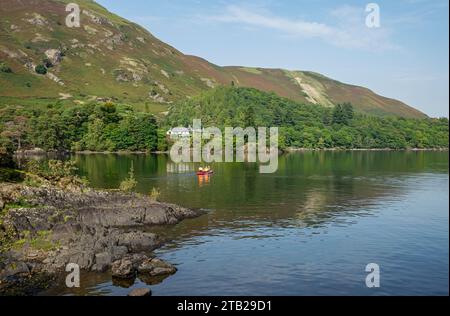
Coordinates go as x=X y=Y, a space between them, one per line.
x=155 y=194
x=41 y=69
x=52 y=170
x=62 y=173
x=4 y=68
x=130 y=183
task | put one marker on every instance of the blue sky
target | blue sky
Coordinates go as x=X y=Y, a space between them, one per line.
x=407 y=58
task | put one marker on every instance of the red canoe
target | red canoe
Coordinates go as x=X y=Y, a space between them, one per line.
x=204 y=173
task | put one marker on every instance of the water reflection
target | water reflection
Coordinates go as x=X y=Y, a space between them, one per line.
x=203 y=180
x=309 y=189
x=321 y=210
x=179 y=168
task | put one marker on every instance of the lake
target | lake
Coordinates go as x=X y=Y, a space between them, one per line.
x=309 y=229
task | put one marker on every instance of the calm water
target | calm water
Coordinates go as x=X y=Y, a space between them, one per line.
x=309 y=229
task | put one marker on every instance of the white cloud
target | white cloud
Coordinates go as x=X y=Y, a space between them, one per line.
x=347 y=30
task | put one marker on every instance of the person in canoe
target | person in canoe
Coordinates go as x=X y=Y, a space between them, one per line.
x=204 y=171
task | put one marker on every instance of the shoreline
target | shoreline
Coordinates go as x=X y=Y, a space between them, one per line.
x=38 y=152
x=366 y=149
x=99 y=230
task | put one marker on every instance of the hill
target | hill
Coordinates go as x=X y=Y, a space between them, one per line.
x=110 y=58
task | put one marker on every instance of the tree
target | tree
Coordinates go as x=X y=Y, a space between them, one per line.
x=249 y=117
x=15 y=130
x=343 y=114
x=136 y=133
x=348 y=112
x=41 y=69
x=338 y=115
x=107 y=112
x=6 y=154
x=96 y=138
x=49 y=131
x=162 y=140
x=5 y=68
x=344 y=138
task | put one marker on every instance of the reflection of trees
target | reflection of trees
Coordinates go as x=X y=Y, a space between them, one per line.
x=309 y=189
x=179 y=167
x=108 y=170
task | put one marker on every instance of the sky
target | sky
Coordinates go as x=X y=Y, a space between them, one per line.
x=406 y=57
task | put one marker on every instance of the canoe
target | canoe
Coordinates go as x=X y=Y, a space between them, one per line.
x=205 y=173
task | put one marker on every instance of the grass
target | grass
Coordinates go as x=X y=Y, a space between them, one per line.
x=254 y=71
x=41 y=241
x=155 y=194
x=10 y=175
x=21 y=203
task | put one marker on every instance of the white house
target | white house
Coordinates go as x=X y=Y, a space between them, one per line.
x=179 y=132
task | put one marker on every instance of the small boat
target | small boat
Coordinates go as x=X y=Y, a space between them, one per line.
x=205 y=173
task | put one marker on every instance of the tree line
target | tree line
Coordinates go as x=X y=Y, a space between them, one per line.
x=111 y=127
x=92 y=127
x=308 y=126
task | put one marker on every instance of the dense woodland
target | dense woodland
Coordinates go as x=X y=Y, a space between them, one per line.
x=110 y=127
x=90 y=127
x=309 y=126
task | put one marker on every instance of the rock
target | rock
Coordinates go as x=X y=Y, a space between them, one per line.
x=209 y=82
x=55 y=78
x=65 y=96
x=14 y=269
x=26 y=286
x=90 y=30
x=165 y=73
x=38 y=20
x=122 y=77
x=102 y=262
x=84 y=259
x=123 y=269
x=123 y=283
x=156 y=97
x=97 y=19
x=119 y=252
x=138 y=241
x=97 y=230
x=140 y=292
x=156 y=267
x=54 y=56
x=2 y=204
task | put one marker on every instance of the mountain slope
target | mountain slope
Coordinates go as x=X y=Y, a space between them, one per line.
x=110 y=57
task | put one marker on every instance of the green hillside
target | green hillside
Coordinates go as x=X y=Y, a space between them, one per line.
x=110 y=58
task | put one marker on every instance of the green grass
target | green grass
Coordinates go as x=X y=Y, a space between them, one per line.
x=254 y=71
x=21 y=203
x=41 y=241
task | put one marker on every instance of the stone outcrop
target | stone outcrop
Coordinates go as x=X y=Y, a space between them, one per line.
x=98 y=230
x=54 y=56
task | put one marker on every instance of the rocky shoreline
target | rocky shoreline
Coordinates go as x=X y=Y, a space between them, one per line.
x=45 y=228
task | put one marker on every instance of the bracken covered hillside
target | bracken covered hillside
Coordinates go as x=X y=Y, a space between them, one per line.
x=109 y=57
